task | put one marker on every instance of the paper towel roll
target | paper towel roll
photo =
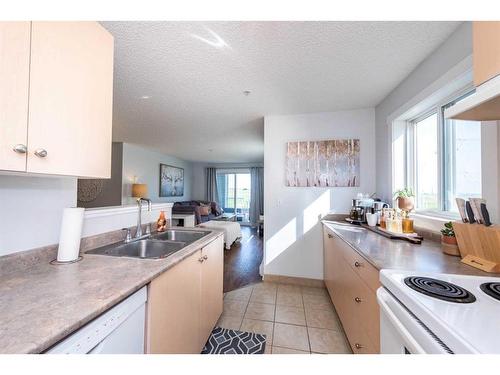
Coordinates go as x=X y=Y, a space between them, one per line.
x=71 y=234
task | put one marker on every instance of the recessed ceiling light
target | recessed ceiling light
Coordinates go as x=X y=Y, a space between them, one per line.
x=145 y=97
x=247 y=92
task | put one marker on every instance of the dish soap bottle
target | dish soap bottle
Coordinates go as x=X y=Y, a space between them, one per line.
x=161 y=223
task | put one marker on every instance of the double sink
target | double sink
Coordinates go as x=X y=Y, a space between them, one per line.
x=156 y=246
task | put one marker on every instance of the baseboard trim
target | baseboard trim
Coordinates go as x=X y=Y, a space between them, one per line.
x=302 y=281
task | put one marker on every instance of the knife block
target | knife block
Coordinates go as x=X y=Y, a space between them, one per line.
x=479 y=245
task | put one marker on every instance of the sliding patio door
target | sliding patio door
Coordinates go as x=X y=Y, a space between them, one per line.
x=234 y=192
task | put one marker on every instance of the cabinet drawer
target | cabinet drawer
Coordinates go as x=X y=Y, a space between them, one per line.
x=358 y=338
x=360 y=312
x=367 y=311
x=360 y=265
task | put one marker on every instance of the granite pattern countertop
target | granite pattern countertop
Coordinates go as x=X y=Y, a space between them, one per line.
x=42 y=303
x=382 y=252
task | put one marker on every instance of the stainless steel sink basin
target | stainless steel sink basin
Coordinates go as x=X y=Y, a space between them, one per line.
x=187 y=236
x=147 y=249
x=157 y=246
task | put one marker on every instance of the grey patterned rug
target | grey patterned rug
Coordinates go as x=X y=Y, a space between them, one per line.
x=229 y=341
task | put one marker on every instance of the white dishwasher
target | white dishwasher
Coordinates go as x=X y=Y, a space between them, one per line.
x=120 y=330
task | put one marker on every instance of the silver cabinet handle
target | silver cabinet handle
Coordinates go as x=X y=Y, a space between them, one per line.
x=357 y=299
x=357 y=264
x=358 y=346
x=205 y=257
x=20 y=148
x=41 y=153
x=329 y=235
x=201 y=260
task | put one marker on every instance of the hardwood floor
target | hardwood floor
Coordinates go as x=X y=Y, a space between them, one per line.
x=242 y=261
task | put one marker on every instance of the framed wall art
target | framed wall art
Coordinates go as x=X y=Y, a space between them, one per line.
x=329 y=163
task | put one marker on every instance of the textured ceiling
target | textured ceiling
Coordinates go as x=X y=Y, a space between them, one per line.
x=194 y=74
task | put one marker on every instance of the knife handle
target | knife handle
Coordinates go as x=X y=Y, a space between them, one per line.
x=470 y=213
x=485 y=214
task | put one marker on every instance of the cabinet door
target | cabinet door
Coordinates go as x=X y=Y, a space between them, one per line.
x=328 y=261
x=14 y=87
x=212 y=293
x=334 y=264
x=173 y=324
x=70 y=102
x=486 y=50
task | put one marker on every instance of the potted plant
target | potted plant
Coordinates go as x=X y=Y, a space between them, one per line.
x=448 y=240
x=405 y=199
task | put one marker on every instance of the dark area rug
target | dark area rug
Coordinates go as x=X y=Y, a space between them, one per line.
x=229 y=341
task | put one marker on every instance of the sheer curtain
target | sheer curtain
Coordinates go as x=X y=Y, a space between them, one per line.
x=211 y=192
x=256 y=194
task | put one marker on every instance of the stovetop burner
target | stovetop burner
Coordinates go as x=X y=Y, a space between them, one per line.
x=491 y=289
x=439 y=289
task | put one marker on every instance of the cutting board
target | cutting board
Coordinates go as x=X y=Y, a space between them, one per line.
x=412 y=238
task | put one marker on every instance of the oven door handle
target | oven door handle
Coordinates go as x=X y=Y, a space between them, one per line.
x=407 y=337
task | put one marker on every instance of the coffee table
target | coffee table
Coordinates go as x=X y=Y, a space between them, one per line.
x=225 y=217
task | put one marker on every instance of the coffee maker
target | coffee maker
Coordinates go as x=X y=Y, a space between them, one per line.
x=359 y=208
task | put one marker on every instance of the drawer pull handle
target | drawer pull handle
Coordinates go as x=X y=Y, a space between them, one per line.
x=357 y=264
x=201 y=260
x=357 y=299
x=329 y=235
x=205 y=257
x=358 y=346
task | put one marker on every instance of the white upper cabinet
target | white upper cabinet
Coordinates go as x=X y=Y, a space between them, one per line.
x=14 y=87
x=69 y=110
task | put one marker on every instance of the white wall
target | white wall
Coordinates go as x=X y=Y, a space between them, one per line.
x=31 y=210
x=455 y=49
x=145 y=165
x=293 y=233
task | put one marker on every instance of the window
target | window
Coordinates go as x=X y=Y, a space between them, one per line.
x=443 y=159
x=426 y=162
x=234 y=193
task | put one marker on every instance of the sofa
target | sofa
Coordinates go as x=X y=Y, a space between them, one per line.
x=194 y=208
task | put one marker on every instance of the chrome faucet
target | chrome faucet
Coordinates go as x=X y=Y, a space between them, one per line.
x=138 y=232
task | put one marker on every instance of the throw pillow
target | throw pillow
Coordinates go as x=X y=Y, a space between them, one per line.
x=204 y=210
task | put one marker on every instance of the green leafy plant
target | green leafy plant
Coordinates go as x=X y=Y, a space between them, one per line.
x=448 y=230
x=404 y=193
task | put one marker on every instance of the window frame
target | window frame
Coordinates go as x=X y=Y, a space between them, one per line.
x=410 y=154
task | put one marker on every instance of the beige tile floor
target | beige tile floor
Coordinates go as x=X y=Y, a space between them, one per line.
x=295 y=319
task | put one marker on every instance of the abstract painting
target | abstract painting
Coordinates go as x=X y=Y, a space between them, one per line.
x=171 y=181
x=331 y=163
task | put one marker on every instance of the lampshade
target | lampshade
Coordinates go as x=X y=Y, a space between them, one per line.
x=139 y=190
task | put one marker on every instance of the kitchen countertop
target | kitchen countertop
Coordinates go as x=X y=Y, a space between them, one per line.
x=43 y=303
x=383 y=252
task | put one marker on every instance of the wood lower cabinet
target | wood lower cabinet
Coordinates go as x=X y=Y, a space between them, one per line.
x=212 y=295
x=174 y=309
x=352 y=285
x=185 y=302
